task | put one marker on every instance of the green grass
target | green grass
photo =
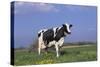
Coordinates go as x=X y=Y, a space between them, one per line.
x=77 y=54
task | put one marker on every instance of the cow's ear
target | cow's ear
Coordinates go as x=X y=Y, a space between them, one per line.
x=63 y=25
x=70 y=25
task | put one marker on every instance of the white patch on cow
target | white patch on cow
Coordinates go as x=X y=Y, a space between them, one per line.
x=59 y=28
x=54 y=29
x=61 y=41
x=67 y=27
x=51 y=43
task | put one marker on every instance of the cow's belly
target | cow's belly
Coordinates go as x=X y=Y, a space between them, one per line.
x=51 y=43
x=60 y=42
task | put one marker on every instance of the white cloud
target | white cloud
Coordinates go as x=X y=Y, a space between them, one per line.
x=19 y=3
x=91 y=29
x=29 y=6
x=76 y=7
x=45 y=7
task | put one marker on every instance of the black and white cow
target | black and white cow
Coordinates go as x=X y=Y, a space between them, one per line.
x=54 y=36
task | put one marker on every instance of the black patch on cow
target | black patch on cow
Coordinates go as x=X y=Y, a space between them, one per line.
x=56 y=30
x=48 y=36
x=39 y=34
x=59 y=34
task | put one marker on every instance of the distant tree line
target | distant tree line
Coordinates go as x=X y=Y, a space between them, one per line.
x=34 y=45
x=80 y=43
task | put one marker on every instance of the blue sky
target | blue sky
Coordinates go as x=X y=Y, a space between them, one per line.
x=31 y=17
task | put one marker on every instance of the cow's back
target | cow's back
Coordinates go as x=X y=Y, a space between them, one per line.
x=48 y=35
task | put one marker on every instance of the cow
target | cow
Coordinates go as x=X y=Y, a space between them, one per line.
x=53 y=36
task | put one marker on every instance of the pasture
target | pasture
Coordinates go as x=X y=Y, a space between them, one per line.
x=78 y=53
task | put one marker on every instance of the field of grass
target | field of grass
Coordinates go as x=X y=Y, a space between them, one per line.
x=72 y=54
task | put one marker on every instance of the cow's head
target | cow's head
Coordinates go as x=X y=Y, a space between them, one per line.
x=67 y=28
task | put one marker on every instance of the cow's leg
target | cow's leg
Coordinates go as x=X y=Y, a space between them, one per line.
x=39 y=44
x=57 y=50
x=61 y=41
x=39 y=48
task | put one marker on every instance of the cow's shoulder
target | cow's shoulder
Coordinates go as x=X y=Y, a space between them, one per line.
x=59 y=33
